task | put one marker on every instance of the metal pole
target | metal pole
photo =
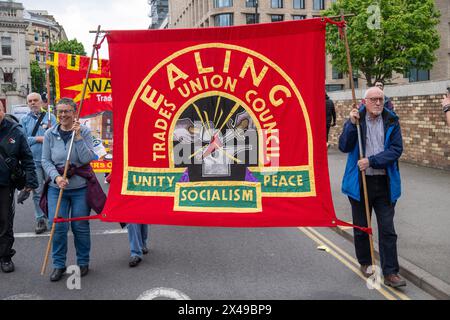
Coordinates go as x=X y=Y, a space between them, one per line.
x=61 y=191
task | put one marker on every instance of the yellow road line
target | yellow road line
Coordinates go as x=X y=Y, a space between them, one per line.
x=386 y=294
x=401 y=295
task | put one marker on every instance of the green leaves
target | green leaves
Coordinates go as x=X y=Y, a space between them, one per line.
x=70 y=46
x=37 y=77
x=385 y=36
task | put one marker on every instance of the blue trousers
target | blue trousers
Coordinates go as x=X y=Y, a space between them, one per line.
x=379 y=200
x=137 y=236
x=37 y=192
x=73 y=204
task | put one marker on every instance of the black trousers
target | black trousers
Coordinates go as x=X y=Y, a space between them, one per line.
x=379 y=200
x=6 y=223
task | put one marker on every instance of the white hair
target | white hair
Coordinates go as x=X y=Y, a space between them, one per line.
x=34 y=94
x=370 y=89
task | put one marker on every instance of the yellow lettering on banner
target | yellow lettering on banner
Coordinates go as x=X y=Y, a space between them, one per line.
x=226 y=64
x=249 y=64
x=170 y=180
x=160 y=136
x=275 y=89
x=200 y=68
x=283 y=181
x=150 y=100
x=183 y=195
x=171 y=70
x=202 y=196
x=247 y=195
x=215 y=195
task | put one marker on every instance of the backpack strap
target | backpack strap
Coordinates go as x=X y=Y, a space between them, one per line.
x=38 y=123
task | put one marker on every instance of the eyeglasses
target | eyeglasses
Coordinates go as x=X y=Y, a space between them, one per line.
x=63 y=111
x=375 y=100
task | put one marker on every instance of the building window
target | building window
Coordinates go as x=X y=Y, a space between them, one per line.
x=416 y=75
x=223 y=3
x=319 y=5
x=7 y=77
x=276 y=3
x=38 y=57
x=223 y=20
x=6 y=46
x=299 y=4
x=36 y=36
x=43 y=35
x=335 y=74
x=250 y=3
x=298 y=17
x=251 y=18
x=334 y=87
x=276 y=17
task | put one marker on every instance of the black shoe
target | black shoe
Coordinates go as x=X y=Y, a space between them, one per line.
x=84 y=270
x=57 y=274
x=41 y=226
x=134 y=261
x=144 y=250
x=7 y=266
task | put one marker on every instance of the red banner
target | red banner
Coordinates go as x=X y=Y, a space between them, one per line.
x=220 y=126
x=70 y=74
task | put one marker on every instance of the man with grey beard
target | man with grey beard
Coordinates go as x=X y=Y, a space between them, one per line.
x=34 y=124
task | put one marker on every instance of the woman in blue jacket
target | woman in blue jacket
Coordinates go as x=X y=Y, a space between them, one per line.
x=54 y=155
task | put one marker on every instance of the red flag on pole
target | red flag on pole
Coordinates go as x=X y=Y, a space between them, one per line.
x=70 y=73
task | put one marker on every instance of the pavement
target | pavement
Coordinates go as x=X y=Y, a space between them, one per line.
x=422 y=222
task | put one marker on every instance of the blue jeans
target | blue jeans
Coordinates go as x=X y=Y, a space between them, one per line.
x=73 y=204
x=137 y=236
x=37 y=192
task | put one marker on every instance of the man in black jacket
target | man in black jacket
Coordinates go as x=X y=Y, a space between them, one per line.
x=331 y=114
x=14 y=151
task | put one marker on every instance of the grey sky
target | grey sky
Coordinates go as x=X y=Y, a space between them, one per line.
x=78 y=17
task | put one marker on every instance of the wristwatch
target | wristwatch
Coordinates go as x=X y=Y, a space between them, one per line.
x=446 y=108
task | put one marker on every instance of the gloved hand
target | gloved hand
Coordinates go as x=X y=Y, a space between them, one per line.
x=23 y=195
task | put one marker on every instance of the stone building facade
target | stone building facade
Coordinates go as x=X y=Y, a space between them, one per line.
x=15 y=80
x=209 y=13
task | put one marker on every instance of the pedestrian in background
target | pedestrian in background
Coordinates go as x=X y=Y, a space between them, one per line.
x=387 y=101
x=137 y=236
x=15 y=156
x=383 y=146
x=34 y=124
x=74 y=200
x=446 y=106
x=331 y=114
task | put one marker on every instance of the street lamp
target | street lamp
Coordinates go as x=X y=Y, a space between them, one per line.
x=256 y=12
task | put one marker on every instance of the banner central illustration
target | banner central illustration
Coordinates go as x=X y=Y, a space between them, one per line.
x=213 y=132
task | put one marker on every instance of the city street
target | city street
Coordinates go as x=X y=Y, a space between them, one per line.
x=200 y=263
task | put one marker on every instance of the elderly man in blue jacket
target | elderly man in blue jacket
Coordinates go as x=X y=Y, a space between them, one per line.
x=34 y=124
x=382 y=147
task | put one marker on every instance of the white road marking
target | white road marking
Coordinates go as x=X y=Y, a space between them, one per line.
x=47 y=234
x=24 y=296
x=170 y=293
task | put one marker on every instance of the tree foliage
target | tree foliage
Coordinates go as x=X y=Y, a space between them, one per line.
x=37 y=77
x=69 y=46
x=404 y=37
